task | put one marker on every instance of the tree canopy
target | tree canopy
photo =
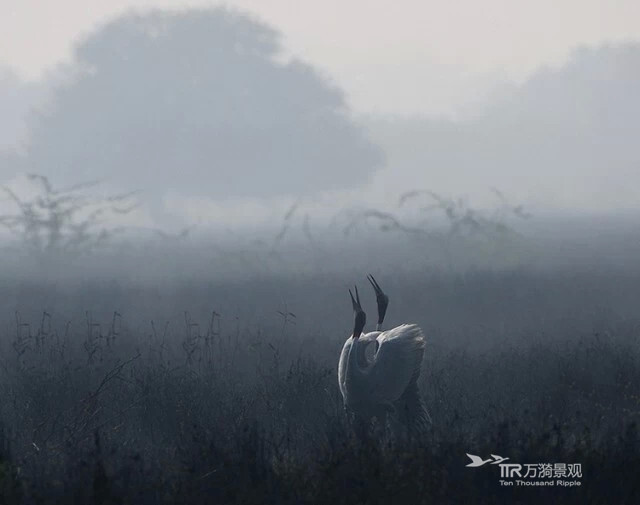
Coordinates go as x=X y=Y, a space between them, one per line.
x=198 y=102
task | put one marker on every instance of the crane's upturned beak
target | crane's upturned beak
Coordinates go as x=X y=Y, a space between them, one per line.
x=360 y=317
x=381 y=299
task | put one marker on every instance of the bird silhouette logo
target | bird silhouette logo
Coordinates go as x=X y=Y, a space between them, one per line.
x=477 y=461
x=498 y=459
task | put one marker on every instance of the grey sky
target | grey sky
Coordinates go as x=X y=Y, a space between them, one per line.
x=410 y=56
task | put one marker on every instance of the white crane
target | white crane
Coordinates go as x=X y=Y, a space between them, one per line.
x=387 y=383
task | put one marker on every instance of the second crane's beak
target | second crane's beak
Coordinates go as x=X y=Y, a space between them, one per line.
x=360 y=317
x=381 y=299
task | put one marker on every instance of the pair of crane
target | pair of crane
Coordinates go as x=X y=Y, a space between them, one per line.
x=385 y=383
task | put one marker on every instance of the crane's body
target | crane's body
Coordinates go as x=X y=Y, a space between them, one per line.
x=386 y=382
x=354 y=392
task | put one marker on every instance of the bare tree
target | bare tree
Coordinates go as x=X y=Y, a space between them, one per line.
x=64 y=220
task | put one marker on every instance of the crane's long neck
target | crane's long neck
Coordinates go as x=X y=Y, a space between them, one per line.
x=353 y=367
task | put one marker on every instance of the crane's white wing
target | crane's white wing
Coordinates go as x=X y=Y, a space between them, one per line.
x=396 y=363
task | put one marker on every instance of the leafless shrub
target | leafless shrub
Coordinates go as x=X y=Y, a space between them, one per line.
x=96 y=340
x=463 y=219
x=64 y=220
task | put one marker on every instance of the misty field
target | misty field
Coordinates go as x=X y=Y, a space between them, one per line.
x=224 y=391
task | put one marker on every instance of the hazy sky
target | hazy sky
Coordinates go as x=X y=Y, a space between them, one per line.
x=408 y=56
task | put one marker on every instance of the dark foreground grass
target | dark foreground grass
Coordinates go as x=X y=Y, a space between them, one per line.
x=252 y=417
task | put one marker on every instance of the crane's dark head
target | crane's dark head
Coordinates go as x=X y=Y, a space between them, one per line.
x=360 y=318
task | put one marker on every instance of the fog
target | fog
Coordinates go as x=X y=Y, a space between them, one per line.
x=563 y=140
x=200 y=127
x=203 y=113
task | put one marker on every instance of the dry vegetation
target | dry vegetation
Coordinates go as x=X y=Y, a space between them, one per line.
x=218 y=408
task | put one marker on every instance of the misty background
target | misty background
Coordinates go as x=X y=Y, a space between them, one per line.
x=171 y=155
x=214 y=129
